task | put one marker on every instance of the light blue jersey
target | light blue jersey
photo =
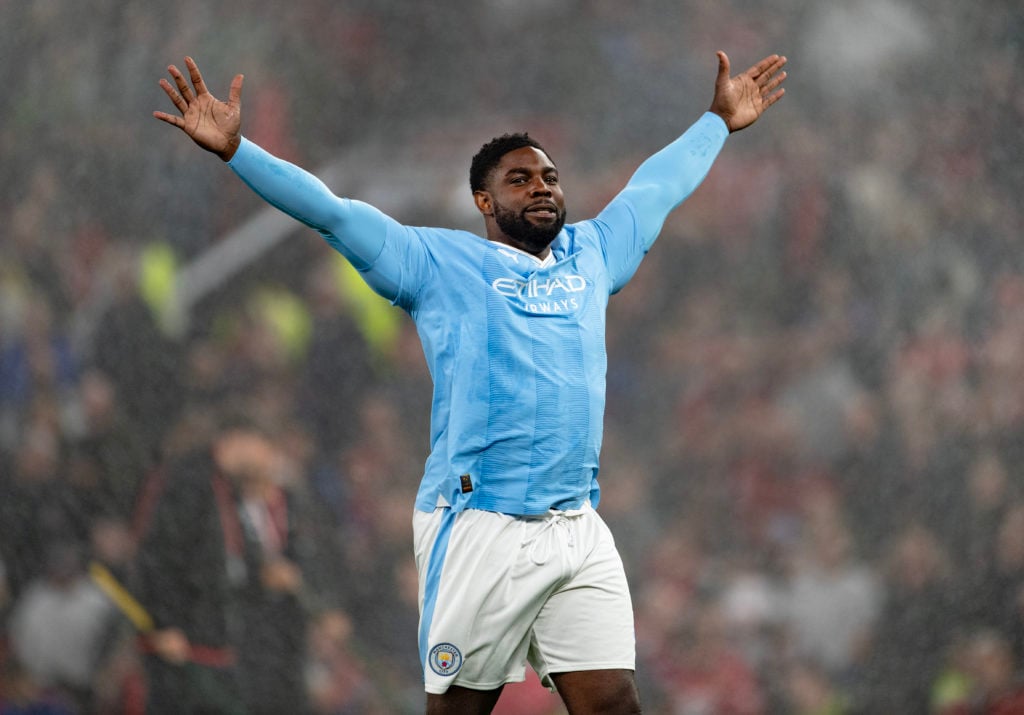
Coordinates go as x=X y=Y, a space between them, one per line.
x=516 y=350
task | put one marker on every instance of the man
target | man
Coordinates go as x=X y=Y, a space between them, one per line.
x=218 y=576
x=514 y=562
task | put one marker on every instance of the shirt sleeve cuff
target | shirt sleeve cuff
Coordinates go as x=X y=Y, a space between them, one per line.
x=715 y=124
x=245 y=147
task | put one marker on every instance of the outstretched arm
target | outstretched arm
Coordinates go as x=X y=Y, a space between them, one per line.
x=669 y=176
x=355 y=229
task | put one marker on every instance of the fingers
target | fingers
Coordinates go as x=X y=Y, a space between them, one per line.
x=176 y=98
x=184 y=96
x=773 y=83
x=770 y=79
x=180 y=98
x=181 y=83
x=764 y=72
x=197 y=78
x=769 y=100
x=767 y=76
x=170 y=119
x=768 y=65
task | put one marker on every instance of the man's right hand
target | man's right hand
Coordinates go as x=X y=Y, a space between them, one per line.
x=212 y=124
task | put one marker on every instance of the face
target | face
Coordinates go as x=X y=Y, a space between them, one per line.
x=244 y=455
x=525 y=200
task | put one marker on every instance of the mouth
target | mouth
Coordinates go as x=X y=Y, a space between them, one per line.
x=542 y=210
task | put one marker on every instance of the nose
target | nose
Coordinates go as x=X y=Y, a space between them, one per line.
x=539 y=187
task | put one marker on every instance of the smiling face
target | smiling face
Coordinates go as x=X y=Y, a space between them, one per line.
x=522 y=202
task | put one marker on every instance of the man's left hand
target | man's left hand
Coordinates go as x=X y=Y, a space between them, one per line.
x=740 y=100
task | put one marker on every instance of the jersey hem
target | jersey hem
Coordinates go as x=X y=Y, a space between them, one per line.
x=506 y=509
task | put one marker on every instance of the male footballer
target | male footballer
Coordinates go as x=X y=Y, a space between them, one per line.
x=515 y=565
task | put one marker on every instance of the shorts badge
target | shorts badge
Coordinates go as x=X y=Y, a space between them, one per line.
x=445 y=659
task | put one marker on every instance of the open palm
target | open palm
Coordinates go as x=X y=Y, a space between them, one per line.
x=212 y=124
x=740 y=100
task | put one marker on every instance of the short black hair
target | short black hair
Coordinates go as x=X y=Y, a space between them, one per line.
x=490 y=155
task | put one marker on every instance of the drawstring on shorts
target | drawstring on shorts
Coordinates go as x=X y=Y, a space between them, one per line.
x=554 y=518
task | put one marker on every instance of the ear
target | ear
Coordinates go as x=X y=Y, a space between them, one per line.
x=482 y=199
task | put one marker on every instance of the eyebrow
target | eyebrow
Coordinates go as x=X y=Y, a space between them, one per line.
x=550 y=169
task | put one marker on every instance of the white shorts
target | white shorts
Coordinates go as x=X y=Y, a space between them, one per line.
x=496 y=591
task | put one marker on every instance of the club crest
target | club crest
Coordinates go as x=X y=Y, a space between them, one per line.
x=445 y=659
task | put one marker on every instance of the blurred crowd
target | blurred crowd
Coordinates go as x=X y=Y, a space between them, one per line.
x=815 y=416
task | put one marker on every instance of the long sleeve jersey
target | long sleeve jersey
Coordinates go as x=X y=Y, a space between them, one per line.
x=515 y=349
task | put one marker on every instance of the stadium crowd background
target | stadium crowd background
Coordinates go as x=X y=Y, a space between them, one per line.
x=815 y=417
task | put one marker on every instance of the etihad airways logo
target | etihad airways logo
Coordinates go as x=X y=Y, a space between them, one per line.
x=544 y=295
